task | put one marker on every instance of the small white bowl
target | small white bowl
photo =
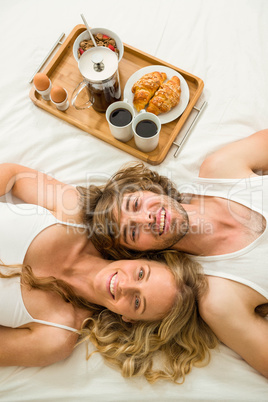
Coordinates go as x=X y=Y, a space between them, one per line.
x=85 y=35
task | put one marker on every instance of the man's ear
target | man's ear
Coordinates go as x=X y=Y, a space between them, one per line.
x=127 y=319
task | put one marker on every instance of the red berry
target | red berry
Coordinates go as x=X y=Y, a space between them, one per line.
x=111 y=47
x=105 y=37
x=81 y=51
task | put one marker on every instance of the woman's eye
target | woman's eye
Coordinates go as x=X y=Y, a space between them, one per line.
x=137 y=303
x=141 y=273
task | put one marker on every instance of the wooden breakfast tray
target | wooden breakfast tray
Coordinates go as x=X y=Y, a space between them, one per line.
x=63 y=70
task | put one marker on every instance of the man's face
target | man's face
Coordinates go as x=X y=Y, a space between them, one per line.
x=150 y=221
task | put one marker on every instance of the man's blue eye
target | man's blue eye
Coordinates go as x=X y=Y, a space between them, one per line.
x=136 y=204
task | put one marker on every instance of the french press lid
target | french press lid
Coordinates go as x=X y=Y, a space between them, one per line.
x=98 y=64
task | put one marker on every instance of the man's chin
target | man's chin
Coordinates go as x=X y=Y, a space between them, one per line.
x=169 y=243
x=178 y=233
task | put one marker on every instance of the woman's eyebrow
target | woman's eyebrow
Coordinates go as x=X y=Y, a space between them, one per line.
x=148 y=273
x=144 y=305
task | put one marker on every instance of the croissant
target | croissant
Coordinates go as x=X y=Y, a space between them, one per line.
x=167 y=96
x=145 y=88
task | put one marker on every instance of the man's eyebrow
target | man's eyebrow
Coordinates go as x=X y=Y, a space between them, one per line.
x=125 y=227
x=146 y=279
x=127 y=203
x=125 y=234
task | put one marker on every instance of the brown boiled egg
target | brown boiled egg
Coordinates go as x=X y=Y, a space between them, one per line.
x=41 y=81
x=58 y=94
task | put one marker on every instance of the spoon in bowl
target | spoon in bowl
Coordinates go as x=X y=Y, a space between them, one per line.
x=88 y=29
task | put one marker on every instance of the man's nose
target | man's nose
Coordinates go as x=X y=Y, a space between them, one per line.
x=145 y=219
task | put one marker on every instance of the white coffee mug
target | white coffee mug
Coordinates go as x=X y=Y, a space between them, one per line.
x=120 y=124
x=145 y=141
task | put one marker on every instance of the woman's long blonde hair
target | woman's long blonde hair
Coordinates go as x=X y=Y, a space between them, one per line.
x=49 y=284
x=182 y=338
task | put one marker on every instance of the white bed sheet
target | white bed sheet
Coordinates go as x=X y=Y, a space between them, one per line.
x=224 y=42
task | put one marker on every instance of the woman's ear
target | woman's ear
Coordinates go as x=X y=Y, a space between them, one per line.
x=127 y=319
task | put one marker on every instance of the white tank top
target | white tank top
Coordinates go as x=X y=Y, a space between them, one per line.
x=249 y=265
x=20 y=224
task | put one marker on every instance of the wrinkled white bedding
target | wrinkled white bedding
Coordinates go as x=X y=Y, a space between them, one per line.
x=224 y=42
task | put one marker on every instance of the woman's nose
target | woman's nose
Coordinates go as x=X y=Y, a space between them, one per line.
x=126 y=288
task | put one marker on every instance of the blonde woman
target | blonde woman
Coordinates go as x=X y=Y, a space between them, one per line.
x=178 y=341
x=130 y=338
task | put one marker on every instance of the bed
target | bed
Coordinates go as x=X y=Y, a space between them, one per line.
x=223 y=42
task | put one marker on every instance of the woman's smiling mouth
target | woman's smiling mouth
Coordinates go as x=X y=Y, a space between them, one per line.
x=112 y=285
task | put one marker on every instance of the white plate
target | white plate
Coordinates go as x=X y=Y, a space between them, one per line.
x=185 y=93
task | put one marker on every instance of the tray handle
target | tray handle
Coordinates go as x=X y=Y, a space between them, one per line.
x=179 y=146
x=58 y=42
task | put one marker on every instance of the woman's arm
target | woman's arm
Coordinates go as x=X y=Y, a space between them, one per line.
x=238 y=159
x=38 y=188
x=40 y=346
x=227 y=309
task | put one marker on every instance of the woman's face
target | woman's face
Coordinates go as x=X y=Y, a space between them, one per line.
x=136 y=289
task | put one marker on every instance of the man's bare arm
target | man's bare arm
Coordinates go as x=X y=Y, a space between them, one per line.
x=228 y=309
x=240 y=159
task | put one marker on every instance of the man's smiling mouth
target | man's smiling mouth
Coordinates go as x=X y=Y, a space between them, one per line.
x=162 y=222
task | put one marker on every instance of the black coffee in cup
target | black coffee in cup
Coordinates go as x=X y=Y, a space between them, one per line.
x=146 y=128
x=120 y=117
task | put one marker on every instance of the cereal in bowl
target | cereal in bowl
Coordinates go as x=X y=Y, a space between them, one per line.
x=101 y=40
